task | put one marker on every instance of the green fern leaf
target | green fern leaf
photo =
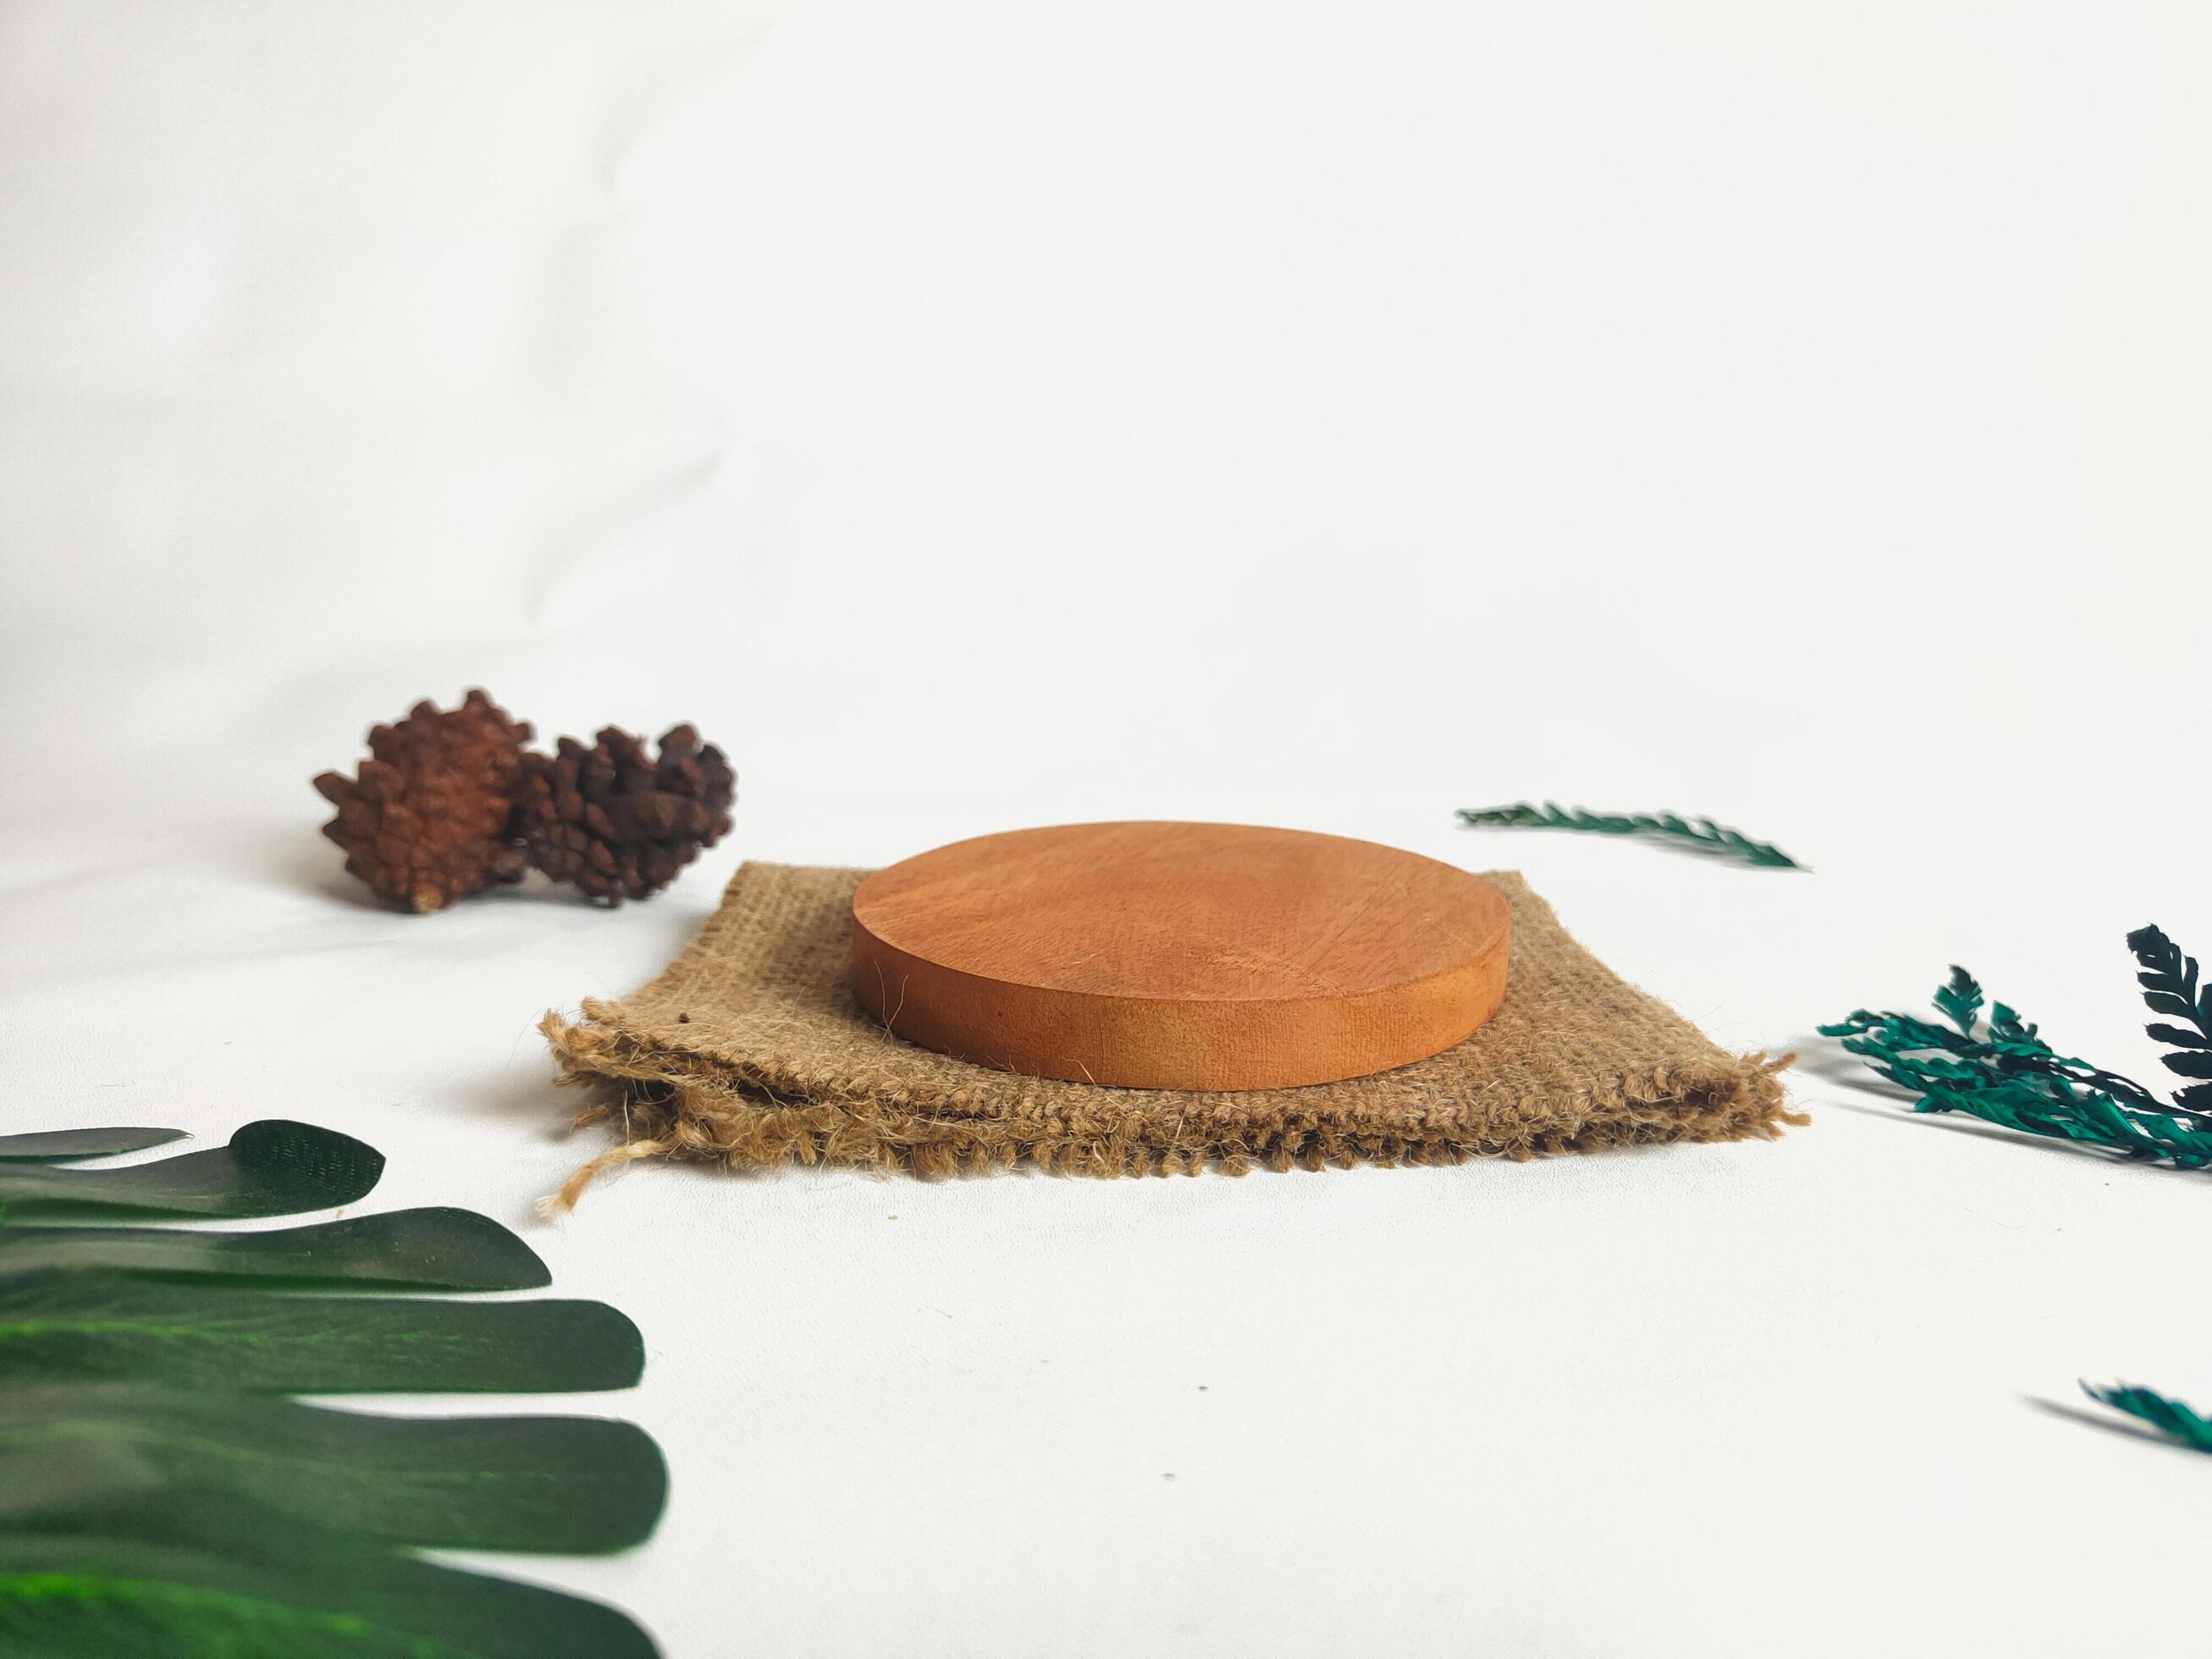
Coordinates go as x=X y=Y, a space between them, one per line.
x=1670 y=828
x=2171 y=1418
x=1960 y=1001
x=2179 y=1038
x=2011 y=1077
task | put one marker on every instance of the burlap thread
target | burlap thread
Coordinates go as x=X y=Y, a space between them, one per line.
x=749 y=1051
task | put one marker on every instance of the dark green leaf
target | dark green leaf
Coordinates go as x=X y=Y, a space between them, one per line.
x=2156 y=952
x=2169 y=1417
x=1960 y=1000
x=2012 y=1078
x=58 y=1325
x=2169 y=979
x=2158 y=955
x=206 y=1573
x=1670 y=828
x=83 y=1143
x=2178 y=1037
x=437 y=1248
x=270 y=1167
x=571 y=1485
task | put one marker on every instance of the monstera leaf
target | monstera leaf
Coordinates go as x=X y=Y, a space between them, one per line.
x=430 y=1250
x=269 y=1168
x=119 y=1326
x=190 y=1572
x=81 y=1143
x=575 y=1485
x=154 y=1500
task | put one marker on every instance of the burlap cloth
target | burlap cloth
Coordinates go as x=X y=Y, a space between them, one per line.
x=749 y=1050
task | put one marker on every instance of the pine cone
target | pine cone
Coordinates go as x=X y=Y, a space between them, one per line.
x=427 y=820
x=616 y=822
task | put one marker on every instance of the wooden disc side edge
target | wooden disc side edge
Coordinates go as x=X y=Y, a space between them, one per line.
x=1143 y=1042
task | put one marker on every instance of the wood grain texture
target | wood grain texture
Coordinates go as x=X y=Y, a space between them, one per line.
x=1179 y=956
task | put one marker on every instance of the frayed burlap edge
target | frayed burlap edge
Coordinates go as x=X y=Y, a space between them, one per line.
x=770 y=1063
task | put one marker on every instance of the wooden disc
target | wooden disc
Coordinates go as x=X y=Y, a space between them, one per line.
x=1179 y=956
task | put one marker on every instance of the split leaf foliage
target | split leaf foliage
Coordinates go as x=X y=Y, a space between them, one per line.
x=200 y=1571
x=155 y=1501
x=270 y=1167
x=1695 y=835
x=81 y=1143
x=571 y=1485
x=429 y=1250
x=98 y=1325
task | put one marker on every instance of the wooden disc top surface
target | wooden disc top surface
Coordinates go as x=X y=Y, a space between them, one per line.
x=1179 y=956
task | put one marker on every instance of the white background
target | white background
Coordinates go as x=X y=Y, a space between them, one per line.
x=978 y=415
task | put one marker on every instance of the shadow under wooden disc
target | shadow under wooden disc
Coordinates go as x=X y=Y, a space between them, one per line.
x=1179 y=956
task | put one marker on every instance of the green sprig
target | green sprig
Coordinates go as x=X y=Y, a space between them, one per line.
x=1698 y=834
x=2002 y=1071
x=2171 y=1418
x=2169 y=986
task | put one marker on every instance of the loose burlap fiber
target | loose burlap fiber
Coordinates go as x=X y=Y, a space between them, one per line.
x=749 y=1050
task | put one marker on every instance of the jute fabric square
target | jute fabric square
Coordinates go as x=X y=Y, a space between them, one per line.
x=749 y=1051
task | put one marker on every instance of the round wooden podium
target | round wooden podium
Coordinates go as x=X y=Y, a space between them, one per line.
x=1179 y=956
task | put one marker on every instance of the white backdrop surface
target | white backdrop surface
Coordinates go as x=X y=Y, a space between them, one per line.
x=977 y=415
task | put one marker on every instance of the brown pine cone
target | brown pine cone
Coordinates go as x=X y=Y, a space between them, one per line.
x=428 y=819
x=617 y=822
